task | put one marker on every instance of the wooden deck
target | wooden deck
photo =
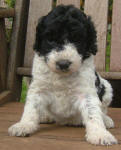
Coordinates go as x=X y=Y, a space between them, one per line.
x=50 y=137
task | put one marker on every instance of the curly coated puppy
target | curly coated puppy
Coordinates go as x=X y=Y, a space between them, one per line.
x=65 y=87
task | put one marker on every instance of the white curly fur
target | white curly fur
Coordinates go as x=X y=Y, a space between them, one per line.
x=66 y=98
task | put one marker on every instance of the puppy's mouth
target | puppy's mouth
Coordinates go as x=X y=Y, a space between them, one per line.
x=63 y=72
x=62 y=69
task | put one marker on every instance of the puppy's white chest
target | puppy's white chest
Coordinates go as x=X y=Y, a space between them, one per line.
x=63 y=105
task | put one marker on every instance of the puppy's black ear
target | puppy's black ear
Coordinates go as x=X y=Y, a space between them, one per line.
x=91 y=37
x=39 y=30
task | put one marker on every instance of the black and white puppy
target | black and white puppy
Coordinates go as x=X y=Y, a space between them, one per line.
x=66 y=88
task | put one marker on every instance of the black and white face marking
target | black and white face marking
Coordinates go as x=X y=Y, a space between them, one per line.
x=67 y=36
x=66 y=61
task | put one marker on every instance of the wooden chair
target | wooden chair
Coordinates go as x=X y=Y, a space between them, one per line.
x=18 y=64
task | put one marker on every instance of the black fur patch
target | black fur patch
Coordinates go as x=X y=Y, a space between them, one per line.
x=66 y=24
x=100 y=87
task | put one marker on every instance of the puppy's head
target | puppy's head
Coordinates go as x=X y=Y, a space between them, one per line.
x=65 y=37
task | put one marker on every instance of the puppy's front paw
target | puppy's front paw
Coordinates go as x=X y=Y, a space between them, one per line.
x=23 y=129
x=108 y=122
x=102 y=137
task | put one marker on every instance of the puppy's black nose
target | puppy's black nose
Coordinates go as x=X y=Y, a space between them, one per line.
x=63 y=64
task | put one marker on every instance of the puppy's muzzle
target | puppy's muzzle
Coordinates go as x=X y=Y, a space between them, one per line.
x=63 y=65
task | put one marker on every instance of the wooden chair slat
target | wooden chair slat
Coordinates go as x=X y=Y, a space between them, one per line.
x=67 y=2
x=3 y=56
x=115 y=62
x=17 y=47
x=22 y=71
x=37 y=9
x=7 y=12
x=98 y=10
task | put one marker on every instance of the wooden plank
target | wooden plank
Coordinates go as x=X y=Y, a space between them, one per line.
x=115 y=61
x=24 y=71
x=17 y=47
x=37 y=9
x=107 y=75
x=13 y=143
x=67 y=2
x=13 y=105
x=7 y=12
x=5 y=97
x=111 y=75
x=98 y=10
x=52 y=136
x=3 y=56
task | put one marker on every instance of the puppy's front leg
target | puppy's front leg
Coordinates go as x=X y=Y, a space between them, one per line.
x=96 y=132
x=29 y=122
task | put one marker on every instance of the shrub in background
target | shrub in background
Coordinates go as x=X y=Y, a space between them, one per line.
x=10 y=3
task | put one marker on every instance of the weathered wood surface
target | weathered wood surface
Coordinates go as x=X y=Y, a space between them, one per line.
x=50 y=136
x=7 y=12
x=24 y=71
x=111 y=75
x=98 y=10
x=115 y=63
x=37 y=8
x=5 y=97
x=67 y=2
x=17 y=47
x=3 y=56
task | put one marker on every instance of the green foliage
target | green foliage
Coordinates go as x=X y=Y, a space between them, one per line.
x=108 y=51
x=110 y=5
x=82 y=4
x=8 y=35
x=108 y=48
x=24 y=92
x=10 y=3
